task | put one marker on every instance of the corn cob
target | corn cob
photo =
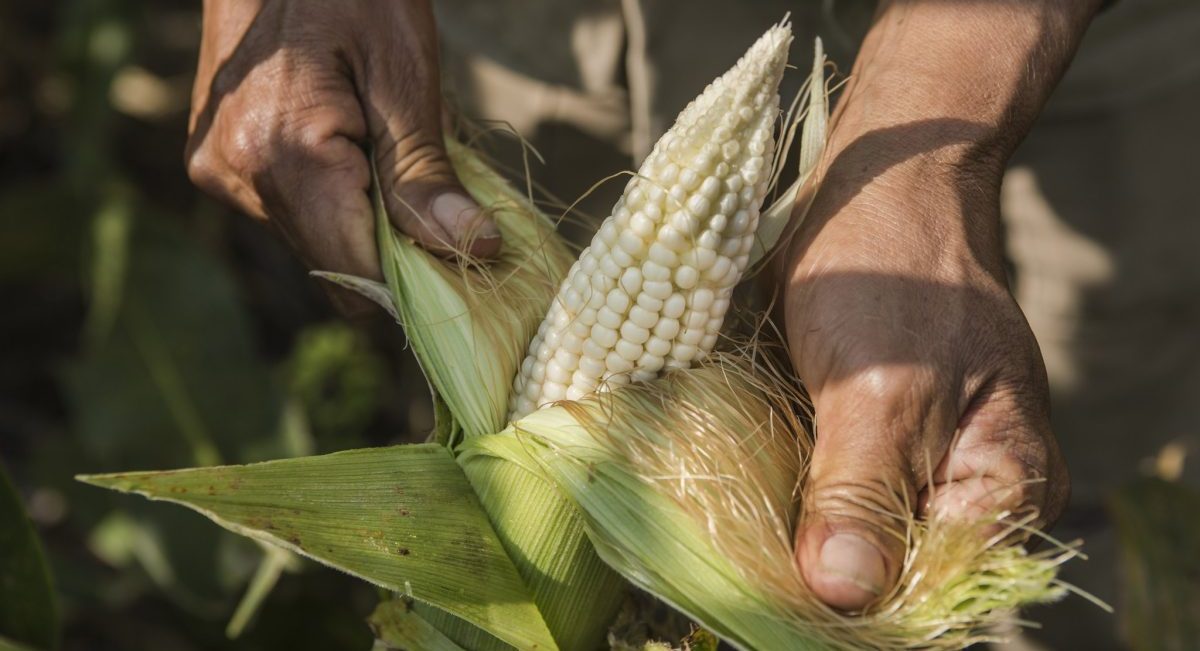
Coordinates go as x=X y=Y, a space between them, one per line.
x=651 y=291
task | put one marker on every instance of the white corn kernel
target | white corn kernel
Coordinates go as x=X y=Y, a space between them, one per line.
x=603 y=336
x=686 y=277
x=674 y=306
x=666 y=329
x=642 y=317
x=628 y=350
x=630 y=331
x=651 y=290
x=657 y=346
x=617 y=301
x=649 y=303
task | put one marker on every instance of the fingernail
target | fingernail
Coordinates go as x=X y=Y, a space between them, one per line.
x=849 y=557
x=462 y=218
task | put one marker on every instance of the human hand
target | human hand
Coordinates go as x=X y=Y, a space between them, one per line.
x=920 y=366
x=928 y=386
x=288 y=93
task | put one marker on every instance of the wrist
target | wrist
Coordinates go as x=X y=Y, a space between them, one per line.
x=886 y=206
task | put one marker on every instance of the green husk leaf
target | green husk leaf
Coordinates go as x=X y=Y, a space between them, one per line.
x=403 y=517
x=578 y=594
x=28 y=610
x=468 y=323
x=469 y=327
x=446 y=430
x=462 y=633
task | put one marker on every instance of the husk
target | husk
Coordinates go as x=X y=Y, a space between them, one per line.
x=577 y=593
x=690 y=486
x=469 y=322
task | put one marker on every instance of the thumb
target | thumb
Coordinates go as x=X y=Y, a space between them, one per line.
x=401 y=100
x=850 y=543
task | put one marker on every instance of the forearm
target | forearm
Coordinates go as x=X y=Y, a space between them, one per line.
x=958 y=81
x=940 y=95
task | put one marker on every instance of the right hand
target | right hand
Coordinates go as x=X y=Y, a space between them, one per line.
x=288 y=93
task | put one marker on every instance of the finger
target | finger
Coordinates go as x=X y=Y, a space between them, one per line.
x=1004 y=461
x=322 y=190
x=873 y=433
x=401 y=101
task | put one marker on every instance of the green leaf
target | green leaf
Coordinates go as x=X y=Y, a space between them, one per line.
x=404 y=518
x=397 y=626
x=578 y=595
x=28 y=612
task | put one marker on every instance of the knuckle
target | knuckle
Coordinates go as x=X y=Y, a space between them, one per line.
x=886 y=384
x=203 y=169
x=416 y=156
x=1031 y=458
x=247 y=142
x=878 y=502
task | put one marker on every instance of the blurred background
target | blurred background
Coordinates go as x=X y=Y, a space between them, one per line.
x=145 y=326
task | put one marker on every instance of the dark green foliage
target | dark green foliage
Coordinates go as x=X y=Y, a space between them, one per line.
x=28 y=612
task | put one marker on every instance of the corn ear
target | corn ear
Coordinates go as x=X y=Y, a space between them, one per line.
x=650 y=292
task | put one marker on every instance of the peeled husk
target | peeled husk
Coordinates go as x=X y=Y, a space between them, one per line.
x=691 y=487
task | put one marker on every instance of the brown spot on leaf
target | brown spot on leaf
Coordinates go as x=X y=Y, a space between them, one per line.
x=403 y=551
